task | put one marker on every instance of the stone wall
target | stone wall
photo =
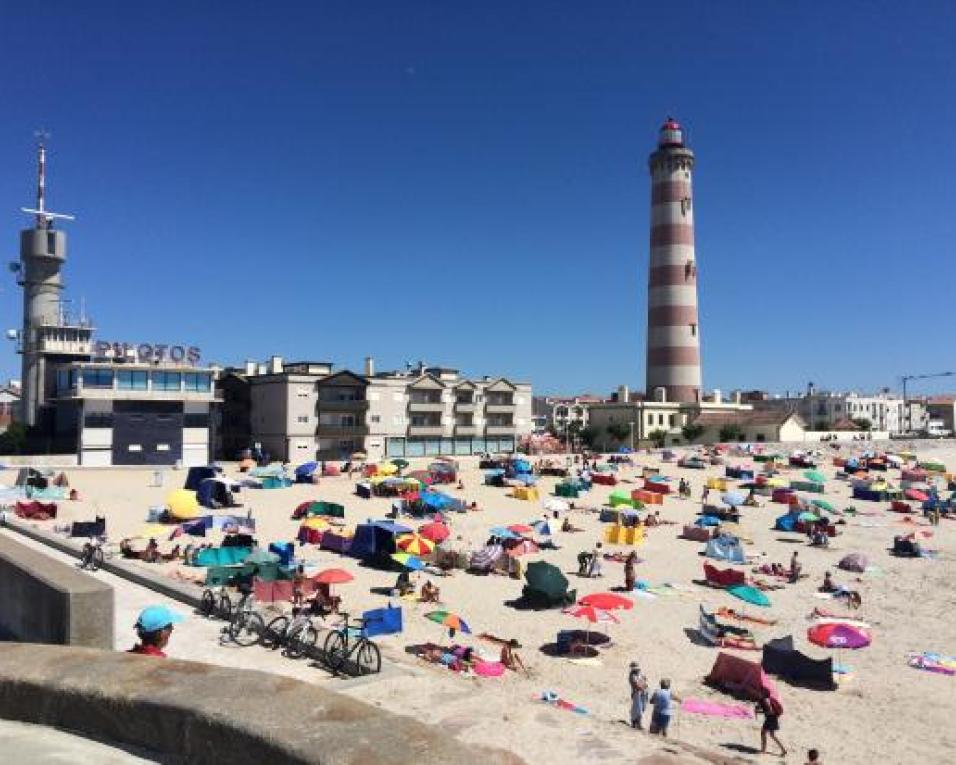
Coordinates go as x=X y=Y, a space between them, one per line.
x=45 y=601
x=191 y=712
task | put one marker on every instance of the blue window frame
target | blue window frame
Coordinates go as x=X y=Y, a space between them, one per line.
x=97 y=378
x=131 y=380
x=167 y=380
x=197 y=381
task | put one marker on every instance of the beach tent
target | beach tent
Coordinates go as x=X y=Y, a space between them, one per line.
x=321 y=509
x=436 y=501
x=782 y=659
x=304 y=473
x=37 y=479
x=546 y=586
x=375 y=540
x=787 y=522
x=725 y=547
x=35 y=511
x=217 y=492
x=740 y=678
x=382 y=621
x=483 y=560
x=853 y=562
x=221 y=556
x=723 y=577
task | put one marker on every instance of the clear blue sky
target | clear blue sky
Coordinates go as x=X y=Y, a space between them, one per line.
x=466 y=182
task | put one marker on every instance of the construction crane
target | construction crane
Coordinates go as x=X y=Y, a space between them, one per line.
x=906 y=379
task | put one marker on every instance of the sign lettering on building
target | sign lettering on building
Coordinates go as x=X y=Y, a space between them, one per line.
x=148 y=352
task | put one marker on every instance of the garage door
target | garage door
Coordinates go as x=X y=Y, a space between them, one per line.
x=147 y=432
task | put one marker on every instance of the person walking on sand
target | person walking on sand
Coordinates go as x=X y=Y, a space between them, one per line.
x=638 y=685
x=705 y=495
x=771 y=709
x=663 y=703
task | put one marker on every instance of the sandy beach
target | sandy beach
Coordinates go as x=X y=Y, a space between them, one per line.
x=883 y=708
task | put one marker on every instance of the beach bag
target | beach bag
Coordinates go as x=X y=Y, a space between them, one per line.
x=775 y=706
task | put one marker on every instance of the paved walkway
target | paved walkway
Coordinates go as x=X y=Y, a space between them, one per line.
x=24 y=743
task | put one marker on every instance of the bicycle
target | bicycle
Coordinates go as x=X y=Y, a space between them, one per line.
x=342 y=643
x=216 y=604
x=93 y=556
x=297 y=635
x=246 y=626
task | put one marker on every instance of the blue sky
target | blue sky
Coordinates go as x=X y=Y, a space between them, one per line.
x=466 y=183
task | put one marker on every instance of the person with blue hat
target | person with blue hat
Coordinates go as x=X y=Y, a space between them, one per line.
x=154 y=627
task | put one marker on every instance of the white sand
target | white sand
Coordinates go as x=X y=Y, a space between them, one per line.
x=885 y=710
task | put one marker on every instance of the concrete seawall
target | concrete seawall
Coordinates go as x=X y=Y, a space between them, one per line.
x=191 y=712
x=45 y=601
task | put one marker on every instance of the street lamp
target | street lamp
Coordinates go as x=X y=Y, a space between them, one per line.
x=631 y=426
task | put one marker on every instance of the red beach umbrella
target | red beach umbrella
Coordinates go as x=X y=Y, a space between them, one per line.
x=916 y=495
x=520 y=528
x=435 y=532
x=333 y=576
x=607 y=601
x=591 y=614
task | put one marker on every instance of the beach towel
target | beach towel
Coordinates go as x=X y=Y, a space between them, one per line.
x=713 y=709
x=933 y=662
x=489 y=669
x=550 y=697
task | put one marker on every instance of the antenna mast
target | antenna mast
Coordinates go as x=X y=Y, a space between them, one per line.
x=44 y=218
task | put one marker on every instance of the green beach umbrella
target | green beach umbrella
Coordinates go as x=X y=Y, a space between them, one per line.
x=749 y=594
x=814 y=475
x=822 y=504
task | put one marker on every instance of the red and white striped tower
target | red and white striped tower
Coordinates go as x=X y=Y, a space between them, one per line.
x=673 y=337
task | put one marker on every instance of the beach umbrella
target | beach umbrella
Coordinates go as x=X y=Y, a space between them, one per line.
x=410 y=562
x=838 y=635
x=546 y=579
x=520 y=528
x=316 y=523
x=414 y=544
x=822 y=504
x=261 y=556
x=808 y=517
x=502 y=533
x=400 y=463
x=776 y=482
x=591 y=614
x=607 y=601
x=815 y=476
x=733 y=498
x=333 y=576
x=916 y=495
x=182 y=504
x=435 y=532
x=524 y=547
x=450 y=620
x=749 y=595
x=542 y=528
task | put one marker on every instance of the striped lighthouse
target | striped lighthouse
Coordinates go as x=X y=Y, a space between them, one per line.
x=673 y=336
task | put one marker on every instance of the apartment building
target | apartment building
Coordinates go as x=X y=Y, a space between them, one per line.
x=823 y=410
x=429 y=412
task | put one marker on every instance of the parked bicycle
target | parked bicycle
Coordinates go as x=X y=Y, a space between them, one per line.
x=216 y=604
x=246 y=626
x=348 y=642
x=93 y=555
x=297 y=635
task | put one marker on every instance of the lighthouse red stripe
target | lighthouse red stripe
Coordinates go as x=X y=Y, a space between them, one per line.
x=670 y=276
x=671 y=315
x=669 y=191
x=673 y=356
x=671 y=233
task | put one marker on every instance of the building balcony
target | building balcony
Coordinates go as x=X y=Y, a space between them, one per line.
x=499 y=430
x=466 y=430
x=499 y=408
x=341 y=431
x=426 y=406
x=465 y=406
x=342 y=406
x=425 y=430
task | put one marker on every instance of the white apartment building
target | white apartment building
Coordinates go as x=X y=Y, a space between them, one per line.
x=822 y=410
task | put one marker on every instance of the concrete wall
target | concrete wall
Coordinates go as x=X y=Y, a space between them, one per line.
x=40 y=460
x=190 y=712
x=45 y=601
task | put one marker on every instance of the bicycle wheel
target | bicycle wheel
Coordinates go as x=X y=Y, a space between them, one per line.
x=302 y=642
x=368 y=658
x=207 y=606
x=225 y=607
x=246 y=628
x=96 y=560
x=335 y=651
x=274 y=634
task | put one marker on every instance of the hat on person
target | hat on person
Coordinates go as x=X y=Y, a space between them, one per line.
x=154 y=618
x=634 y=664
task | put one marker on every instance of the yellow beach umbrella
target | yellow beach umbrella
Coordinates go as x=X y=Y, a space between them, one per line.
x=777 y=482
x=316 y=523
x=414 y=544
x=386 y=468
x=182 y=504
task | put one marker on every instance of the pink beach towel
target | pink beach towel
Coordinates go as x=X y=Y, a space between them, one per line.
x=713 y=709
x=489 y=669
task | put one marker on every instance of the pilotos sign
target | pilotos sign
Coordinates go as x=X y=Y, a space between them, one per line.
x=146 y=352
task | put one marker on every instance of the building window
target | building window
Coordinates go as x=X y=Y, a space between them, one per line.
x=167 y=380
x=693 y=330
x=129 y=380
x=97 y=378
x=197 y=381
x=672 y=420
x=162 y=447
x=195 y=420
x=98 y=420
x=375 y=418
x=303 y=418
x=660 y=419
x=135 y=448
